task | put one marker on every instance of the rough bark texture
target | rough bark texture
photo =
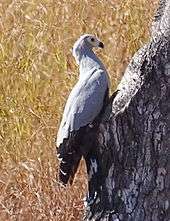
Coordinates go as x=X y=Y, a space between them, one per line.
x=129 y=176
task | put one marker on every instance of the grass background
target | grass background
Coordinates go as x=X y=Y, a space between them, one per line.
x=37 y=72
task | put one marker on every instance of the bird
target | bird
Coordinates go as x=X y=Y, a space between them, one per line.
x=83 y=106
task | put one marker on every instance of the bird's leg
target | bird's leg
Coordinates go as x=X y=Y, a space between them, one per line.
x=94 y=180
x=88 y=149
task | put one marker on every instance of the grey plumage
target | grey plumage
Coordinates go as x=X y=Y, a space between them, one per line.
x=84 y=103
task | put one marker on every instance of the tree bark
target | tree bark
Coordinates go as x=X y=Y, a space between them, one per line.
x=130 y=180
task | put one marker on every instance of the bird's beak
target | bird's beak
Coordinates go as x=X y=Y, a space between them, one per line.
x=101 y=45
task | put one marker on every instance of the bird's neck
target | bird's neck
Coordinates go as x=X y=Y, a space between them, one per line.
x=88 y=62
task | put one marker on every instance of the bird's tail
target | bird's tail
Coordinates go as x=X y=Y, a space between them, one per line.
x=69 y=161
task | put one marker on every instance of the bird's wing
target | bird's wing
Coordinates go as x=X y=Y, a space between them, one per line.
x=84 y=103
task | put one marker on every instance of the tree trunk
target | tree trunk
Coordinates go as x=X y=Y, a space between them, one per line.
x=130 y=179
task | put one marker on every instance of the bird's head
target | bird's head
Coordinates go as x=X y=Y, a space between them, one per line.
x=85 y=43
x=92 y=41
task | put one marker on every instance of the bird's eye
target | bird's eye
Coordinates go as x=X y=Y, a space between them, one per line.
x=92 y=39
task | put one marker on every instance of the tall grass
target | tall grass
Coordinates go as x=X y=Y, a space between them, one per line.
x=37 y=72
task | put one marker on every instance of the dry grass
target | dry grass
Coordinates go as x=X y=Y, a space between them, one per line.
x=37 y=71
